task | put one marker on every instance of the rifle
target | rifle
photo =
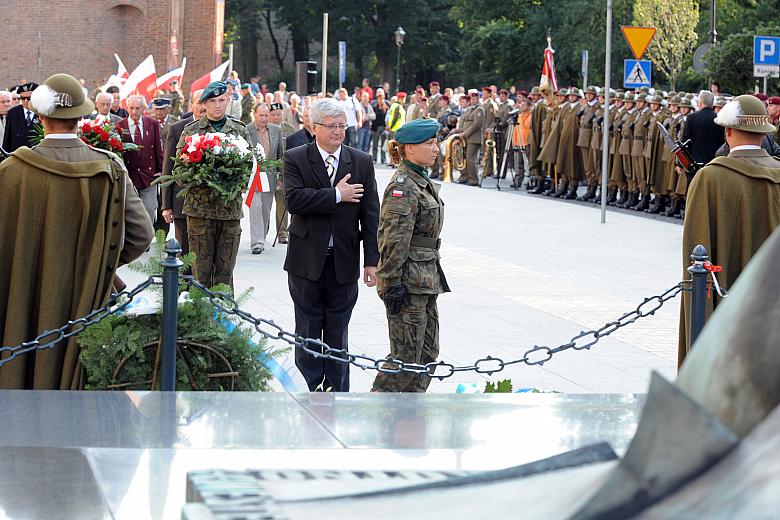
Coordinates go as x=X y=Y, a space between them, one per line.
x=682 y=151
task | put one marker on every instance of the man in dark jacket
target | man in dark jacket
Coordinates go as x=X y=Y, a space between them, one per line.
x=706 y=137
x=20 y=121
x=303 y=136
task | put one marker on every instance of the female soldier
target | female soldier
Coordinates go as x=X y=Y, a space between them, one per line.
x=409 y=275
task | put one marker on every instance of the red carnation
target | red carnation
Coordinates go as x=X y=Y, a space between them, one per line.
x=196 y=156
x=113 y=142
x=120 y=146
x=103 y=136
x=86 y=128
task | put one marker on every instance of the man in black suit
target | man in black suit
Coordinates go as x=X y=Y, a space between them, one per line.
x=303 y=136
x=330 y=191
x=20 y=121
x=172 y=204
x=706 y=137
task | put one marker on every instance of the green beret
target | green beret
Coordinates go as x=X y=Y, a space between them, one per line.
x=213 y=89
x=417 y=131
x=245 y=85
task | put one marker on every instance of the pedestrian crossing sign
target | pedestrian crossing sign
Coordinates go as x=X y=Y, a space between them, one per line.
x=636 y=73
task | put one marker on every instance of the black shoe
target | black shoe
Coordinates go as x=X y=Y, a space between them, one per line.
x=257 y=250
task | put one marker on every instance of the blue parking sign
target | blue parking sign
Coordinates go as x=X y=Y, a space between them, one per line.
x=766 y=56
x=636 y=73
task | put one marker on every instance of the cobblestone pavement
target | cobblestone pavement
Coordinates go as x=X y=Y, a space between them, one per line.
x=524 y=270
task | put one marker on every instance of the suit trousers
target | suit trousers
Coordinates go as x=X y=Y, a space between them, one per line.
x=149 y=199
x=472 y=158
x=215 y=244
x=323 y=309
x=281 y=213
x=180 y=228
x=260 y=218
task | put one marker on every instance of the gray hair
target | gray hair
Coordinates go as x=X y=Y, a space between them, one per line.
x=4 y=93
x=106 y=95
x=706 y=98
x=326 y=107
x=137 y=96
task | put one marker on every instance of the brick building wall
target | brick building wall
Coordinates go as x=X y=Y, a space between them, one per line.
x=80 y=37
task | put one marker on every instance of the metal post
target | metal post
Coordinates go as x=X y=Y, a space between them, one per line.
x=324 y=53
x=713 y=22
x=698 y=291
x=398 y=69
x=170 y=307
x=584 y=70
x=605 y=126
x=765 y=84
x=230 y=59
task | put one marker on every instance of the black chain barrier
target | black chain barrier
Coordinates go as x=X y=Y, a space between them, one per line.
x=537 y=355
x=49 y=338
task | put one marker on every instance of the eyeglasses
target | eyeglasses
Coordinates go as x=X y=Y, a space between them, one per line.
x=340 y=127
x=25 y=98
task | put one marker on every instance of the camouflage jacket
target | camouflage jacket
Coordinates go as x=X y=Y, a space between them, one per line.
x=199 y=200
x=410 y=220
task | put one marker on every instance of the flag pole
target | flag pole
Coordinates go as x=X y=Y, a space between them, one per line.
x=324 y=53
x=605 y=127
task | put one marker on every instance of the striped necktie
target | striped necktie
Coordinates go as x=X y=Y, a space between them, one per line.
x=329 y=160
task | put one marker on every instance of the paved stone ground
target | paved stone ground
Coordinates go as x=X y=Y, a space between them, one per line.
x=524 y=270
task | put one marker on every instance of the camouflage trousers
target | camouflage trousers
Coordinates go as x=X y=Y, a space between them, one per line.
x=414 y=338
x=215 y=245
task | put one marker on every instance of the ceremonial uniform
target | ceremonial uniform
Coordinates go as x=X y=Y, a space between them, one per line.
x=473 y=119
x=502 y=114
x=585 y=119
x=539 y=113
x=490 y=108
x=410 y=222
x=629 y=198
x=177 y=101
x=568 y=162
x=213 y=227
x=638 y=164
x=733 y=205
x=247 y=105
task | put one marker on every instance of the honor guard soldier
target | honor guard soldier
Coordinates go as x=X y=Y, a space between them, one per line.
x=654 y=156
x=539 y=112
x=568 y=161
x=630 y=197
x=409 y=274
x=640 y=129
x=247 y=105
x=585 y=117
x=213 y=227
x=472 y=121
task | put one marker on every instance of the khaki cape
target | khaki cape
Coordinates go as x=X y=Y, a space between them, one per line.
x=733 y=206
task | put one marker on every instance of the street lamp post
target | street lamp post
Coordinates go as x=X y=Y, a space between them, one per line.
x=399 y=40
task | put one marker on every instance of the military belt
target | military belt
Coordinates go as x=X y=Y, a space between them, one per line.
x=426 y=242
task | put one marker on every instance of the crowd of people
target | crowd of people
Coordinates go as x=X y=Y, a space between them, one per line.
x=326 y=197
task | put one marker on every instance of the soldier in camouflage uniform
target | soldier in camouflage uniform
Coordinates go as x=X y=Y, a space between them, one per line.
x=213 y=227
x=409 y=275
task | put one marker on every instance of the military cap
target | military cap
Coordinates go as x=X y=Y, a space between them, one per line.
x=563 y=92
x=774 y=100
x=656 y=99
x=618 y=96
x=400 y=94
x=276 y=106
x=444 y=97
x=433 y=84
x=575 y=92
x=245 y=86
x=524 y=93
x=672 y=94
x=474 y=94
x=761 y=96
x=535 y=91
x=746 y=113
x=60 y=97
x=643 y=90
x=214 y=89
x=161 y=102
x=503 y=91
x=592 y=89
x=417 y=131
x=27 y=87
x=640 y=96
x=720 y=101
x=674 y=100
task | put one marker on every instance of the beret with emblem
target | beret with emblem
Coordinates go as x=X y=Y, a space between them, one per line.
x=214 y=89
x=27 y=87
x=417 y=131
x=746 y=113
x=161 y=102
x=60 y=97
x=276 y=106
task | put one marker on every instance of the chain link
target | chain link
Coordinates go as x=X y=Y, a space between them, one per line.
x=537 y=355
x=50 y=338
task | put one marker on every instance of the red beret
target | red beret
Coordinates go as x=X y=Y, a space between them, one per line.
x=761 y=96
x=446 y=98
x=486 y=89
x=503 y=91
x=433 y=84
x=400 y=94
x=523 y=93
x=774 y=100
x=474 y=94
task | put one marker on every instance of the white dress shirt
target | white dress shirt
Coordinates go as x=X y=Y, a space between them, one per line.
x=325 y=155
x=131 y=126
x=745 y=147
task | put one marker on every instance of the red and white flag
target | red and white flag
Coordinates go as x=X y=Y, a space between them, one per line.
x=258 y=183
x=548 y=69
x=215 y=75
x=143 y=80
x=164 y=81
x=121 y=70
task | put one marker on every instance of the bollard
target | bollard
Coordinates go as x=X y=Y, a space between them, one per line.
x=698 y=290
x=170 y=315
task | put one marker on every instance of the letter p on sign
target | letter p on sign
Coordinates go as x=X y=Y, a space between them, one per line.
x=767 y=50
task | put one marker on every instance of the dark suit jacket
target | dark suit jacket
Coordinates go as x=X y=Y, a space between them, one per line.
x=706 y=137
x=299 y=138
x=17 y=132
x=311 y=202
x=143 y=165
x=170 y=198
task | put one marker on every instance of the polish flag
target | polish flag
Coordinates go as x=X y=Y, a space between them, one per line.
x=121 y=70
x=143 y=80
x=548 y=78
x=164 y=81
x=215 y=75
x=258 y=183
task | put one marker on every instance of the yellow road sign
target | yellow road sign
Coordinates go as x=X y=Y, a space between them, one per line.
x=638 y=38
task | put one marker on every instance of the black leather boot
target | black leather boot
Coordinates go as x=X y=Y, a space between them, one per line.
x=588 y=194
x=658 y=206
x=643 y=204
x=674 y=208
x=572 y=193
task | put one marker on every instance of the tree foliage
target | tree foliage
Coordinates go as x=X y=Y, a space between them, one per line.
x=731 y=61
x=675 y=39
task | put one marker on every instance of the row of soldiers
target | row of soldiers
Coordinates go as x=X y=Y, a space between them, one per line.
x=566 y=146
